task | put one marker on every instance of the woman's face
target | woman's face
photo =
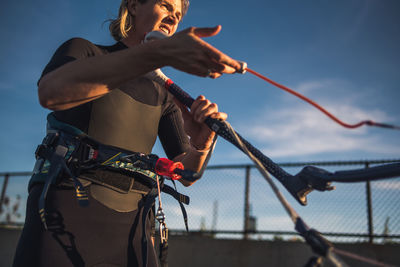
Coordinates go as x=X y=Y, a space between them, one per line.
x=155 y=15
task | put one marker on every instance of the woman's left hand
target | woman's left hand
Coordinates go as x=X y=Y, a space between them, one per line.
x=201 y=136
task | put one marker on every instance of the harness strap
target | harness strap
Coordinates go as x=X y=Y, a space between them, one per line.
x=163 y=255
x=182 y=199
x=175 y=194
x=56 y=160
x=147 y=206
x=149 y=201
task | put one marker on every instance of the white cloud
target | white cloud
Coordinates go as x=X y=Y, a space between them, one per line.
x=387 y=185
x=309 y=86
x=282 y=223
x=300 y=129
x=193 y=211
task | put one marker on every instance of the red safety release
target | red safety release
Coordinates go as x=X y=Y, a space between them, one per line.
x=166 y=167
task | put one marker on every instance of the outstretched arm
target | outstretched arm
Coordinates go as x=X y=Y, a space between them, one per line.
x=86 y=79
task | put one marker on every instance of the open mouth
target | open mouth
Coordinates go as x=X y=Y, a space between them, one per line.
x=165 y=29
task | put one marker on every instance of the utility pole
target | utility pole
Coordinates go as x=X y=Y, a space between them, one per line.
x=246 y=204
x=215 y=216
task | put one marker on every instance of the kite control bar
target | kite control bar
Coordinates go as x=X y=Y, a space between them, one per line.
x=308 y=179
x=298 y=185
x=299 y=188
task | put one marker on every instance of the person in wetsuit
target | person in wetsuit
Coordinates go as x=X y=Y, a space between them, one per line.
x=101 y=91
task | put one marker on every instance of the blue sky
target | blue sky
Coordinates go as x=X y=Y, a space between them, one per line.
x=344 y=54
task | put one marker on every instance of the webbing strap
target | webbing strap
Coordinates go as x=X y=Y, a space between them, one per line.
x=180 y=201
x=163 y=255
x=57 y=166
x=56 y=160
x=147 y=206
x=185 y=217
x=175 y=194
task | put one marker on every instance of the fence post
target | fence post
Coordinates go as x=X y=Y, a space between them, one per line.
x=369 y=209
x=3 y=191
x=246 y=203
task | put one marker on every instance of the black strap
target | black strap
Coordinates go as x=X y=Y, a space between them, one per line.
x=54 y=149
x=149 y=201
x=175 y=194
x=56 y=160
x=182 y=199
x=164 y=254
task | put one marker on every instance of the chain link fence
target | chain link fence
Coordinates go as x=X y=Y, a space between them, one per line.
x=354 y=212
x=235 y=201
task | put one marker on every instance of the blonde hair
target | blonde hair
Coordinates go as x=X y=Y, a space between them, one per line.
x=120 y=26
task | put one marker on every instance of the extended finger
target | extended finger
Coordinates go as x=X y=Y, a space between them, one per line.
x=214 y=75
x=220 y=57
x=206 y=32
x=228 y=69
x=215 y=69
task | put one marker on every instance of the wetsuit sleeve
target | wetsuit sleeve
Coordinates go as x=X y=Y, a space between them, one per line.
x=71 y=50
x=171 y=132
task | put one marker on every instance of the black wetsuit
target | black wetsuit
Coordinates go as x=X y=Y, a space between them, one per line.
x=108 y=232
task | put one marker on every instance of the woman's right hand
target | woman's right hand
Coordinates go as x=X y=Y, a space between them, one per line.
x=186 y=51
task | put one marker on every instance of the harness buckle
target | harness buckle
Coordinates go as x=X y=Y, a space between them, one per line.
x=40 y=151
x=160 y=216
x=48 y=141
x=163 y=233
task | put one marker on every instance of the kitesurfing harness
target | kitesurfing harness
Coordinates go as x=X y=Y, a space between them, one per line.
x=67 y=153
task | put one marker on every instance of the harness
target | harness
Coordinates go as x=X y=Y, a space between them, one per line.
x=67 y=153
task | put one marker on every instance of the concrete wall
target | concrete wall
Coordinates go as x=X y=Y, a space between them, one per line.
x=202 y=251
x=198 y=251
x=8 y=243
